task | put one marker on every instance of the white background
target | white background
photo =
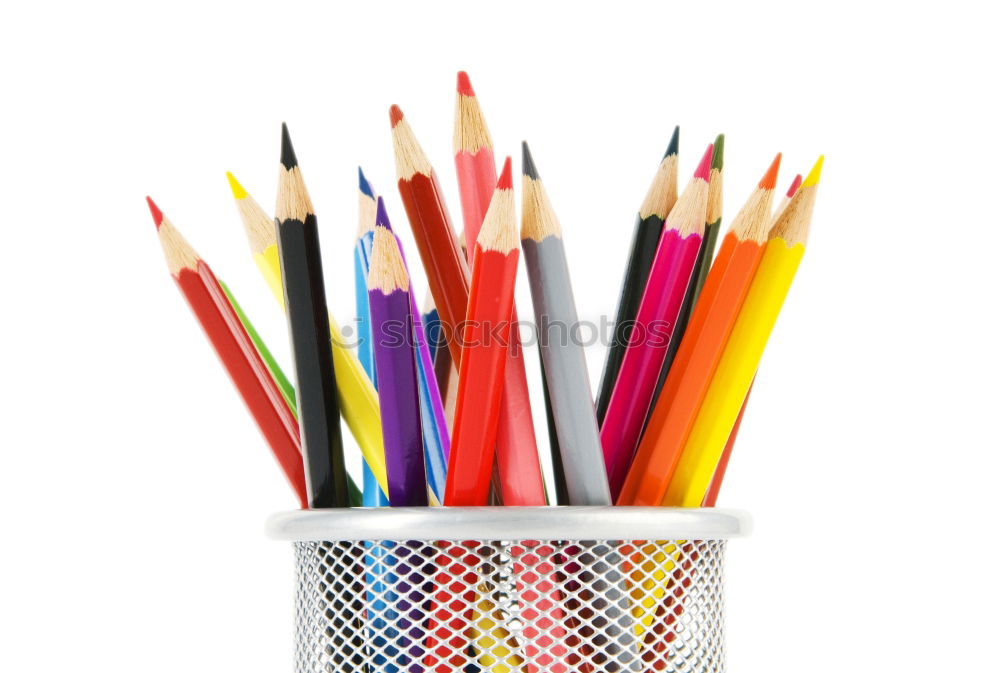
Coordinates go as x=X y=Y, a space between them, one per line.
x=134 y=487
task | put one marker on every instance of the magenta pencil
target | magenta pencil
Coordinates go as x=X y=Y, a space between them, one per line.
x=661 y=302
x=396 y=368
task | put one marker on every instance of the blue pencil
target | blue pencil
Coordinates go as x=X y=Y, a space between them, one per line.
x=372 y=495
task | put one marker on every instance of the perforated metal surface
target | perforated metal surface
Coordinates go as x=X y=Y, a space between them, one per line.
x=509 y=606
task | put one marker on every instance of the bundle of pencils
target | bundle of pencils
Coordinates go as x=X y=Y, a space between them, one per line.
x=437 y=401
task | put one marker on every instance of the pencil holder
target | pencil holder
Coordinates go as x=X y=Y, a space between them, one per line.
x=513 y=589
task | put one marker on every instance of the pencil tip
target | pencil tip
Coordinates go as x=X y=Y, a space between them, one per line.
x=506 y=180
x=704 y=166
x=812 y=179
x=719 y=147
x=771 y=177
x=238 y=192
x=794 y=186
x=155 y=212
x=464 y=86
x=364 y=186
x=527 y=163
x=381 y=216
x=395 y=115
x=674 y=145
x=288 y=159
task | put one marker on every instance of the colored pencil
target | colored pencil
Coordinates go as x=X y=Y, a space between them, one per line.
x=564 y=361
x=436 y=440
x=660 y=199
x=447 y=271
x=480 y=379
x=305 y=303
x=358 y=400
x=395 y=359
x=474 y=161
x=423 y=200
x=713 y=222
x=517 y=448
x=684 y=390
x=433 y=423
x=236 y=351
x=744 y=348
x=657 y=315
x=720 y=471
x=373 y=495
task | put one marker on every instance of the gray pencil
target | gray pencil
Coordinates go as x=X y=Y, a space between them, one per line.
x=603 y=587
x=562 y=353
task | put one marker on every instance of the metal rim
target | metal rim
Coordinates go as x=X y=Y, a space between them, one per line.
x=509 y=523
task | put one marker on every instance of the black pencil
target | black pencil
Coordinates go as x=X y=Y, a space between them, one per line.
x=648 y=227
x=309 y=327
x=713 y=222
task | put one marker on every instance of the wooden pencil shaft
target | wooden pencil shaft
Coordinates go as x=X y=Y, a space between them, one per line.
x=645 y=238
x=566 y=372
x=319 y=411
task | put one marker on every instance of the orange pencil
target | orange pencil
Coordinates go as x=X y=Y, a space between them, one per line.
x=486 y=337
x=701 y=348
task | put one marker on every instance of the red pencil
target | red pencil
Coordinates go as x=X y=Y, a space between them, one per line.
x=480 y=378
x=423 y=199
x=474 y=161
x=447 y=273
x=235 y=349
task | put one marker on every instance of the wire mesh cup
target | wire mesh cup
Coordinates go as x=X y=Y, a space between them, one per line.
x=509 y=590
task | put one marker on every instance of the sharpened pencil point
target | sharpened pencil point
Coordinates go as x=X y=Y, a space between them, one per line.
x=381 y=216
x=771 y=177
x=363 y=185
x=527 y=163
x=506 y=180
x=794 y=187
x=675 y=140
x=395 y=115
x=155 y=211
x=464 y=85
x=288 y=159
x=718 y=150
x=238 y=192
x=813 y=178
x=704 y=166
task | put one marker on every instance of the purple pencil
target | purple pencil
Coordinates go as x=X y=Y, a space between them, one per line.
x=395 y=366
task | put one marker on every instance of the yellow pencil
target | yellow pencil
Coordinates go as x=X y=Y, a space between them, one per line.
x=744 y=348
x=358 y=399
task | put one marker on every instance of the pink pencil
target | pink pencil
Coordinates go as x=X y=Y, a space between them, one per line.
x=661 y=302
